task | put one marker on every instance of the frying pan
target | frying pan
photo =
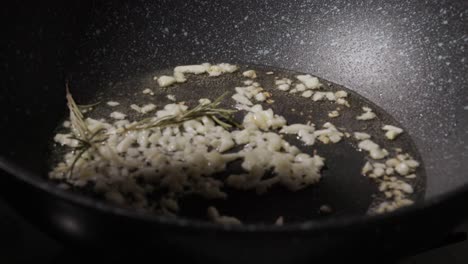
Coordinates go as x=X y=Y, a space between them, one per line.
x=408 y=58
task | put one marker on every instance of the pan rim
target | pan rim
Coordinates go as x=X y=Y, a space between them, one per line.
x=311 y=226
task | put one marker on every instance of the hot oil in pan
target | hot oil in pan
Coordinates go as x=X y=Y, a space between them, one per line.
x=342 y=188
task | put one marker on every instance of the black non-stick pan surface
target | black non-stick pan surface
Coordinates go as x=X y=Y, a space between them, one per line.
x=407 y=58
x=342 y=187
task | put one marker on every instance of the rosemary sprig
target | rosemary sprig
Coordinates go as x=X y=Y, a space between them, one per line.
x=87 y=107
x=76 y=116
x=82 y=134
x=88 y=140
x=221 y=116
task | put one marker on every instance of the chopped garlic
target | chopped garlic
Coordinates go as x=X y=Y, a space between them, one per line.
x=283 y=87
x=374 y=150
x=260 y=97
x=318 y=96
x=148 y=91
x=263 y=119
x=279 y=221
x=117 y=115
x=403 y=164
x=392 y=131
x=361 y=135
x=309 y=81
x=402 y=169
x=300 y=87
x=367 y=168
x=283 y=81
x=329 y=134
x=64 y=139
x=411 y=163
x=226 y=67
x=165 y=81
x=172 y=109
x=179 y=77
x=333 y=114
x=204 y=101
x=342 y=101
x=136 y=108
x=214 y=215
x=241 y=99
x=304 y=132
x=341 y=94
x=112 y=103
x=171 y=97
x=250 y=74
x=367 y=115
x=66 y=124
x=307 y=94
x=283 y=84
x=330 y=96
x=195 y=69
x=326 y=209
x=147 y=108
